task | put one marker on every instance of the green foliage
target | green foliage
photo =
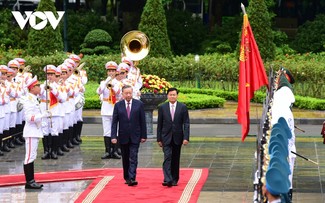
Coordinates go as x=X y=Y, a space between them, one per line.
x=192 y=100
x=260 y=21
x=216 y=71
x=311 y=36
x=96 y=42
x=185 y=32
x=199 y=101
x=79 y=24
x=45 y=41
x=10 y=33
x=153 y=24
x=224 y=39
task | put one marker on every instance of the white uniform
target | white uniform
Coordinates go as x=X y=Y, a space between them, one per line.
x=33 y=127
x=282 y=100
x=7 y=106
x=108 y=98
x=2 y=108
x=136 y=80
x=54 y=97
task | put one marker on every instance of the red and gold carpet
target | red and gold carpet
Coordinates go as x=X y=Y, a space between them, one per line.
x=108 y=185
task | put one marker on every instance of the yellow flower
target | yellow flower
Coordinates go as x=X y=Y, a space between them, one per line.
x=154 y=84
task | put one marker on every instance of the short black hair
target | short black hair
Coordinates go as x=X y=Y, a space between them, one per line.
x=126 y=87
x=172 y=89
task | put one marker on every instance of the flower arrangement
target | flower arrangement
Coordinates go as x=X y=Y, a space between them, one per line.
x=154 y=84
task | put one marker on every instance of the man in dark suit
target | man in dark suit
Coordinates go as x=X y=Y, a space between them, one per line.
x=129 y=119
x=173 y=131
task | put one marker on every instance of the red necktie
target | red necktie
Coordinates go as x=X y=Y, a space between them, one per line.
x=128 y=110
x=172 y=112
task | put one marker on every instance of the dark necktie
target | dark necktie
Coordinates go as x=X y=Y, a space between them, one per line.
x=128 y=110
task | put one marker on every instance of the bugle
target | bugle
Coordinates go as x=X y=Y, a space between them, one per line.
x=79 y=68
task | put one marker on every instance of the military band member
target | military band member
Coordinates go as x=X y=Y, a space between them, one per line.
x=22 y=76
x=50 y=97
x=81 y=79
x=72 y=93
x=2 y=113
x=134 y=76
x=107 y=91
x=58 y=82
x=14 y=95
x=68 y=108
x=10 y=92
x=6 y=107
x=32 y=130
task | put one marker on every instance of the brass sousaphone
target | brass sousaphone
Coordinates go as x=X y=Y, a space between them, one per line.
x=135 y=45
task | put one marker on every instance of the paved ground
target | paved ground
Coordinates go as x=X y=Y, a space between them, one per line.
x=218 y=147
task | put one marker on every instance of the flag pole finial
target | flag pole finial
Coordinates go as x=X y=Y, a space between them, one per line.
x=243 y=8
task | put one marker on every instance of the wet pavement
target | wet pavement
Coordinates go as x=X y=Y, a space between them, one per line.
x=218 y=147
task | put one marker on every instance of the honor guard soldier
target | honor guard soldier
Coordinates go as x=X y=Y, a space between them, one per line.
x=283 y=100
x=34 y=118
x=107 y=91
x=50 y=97
x=134 y=76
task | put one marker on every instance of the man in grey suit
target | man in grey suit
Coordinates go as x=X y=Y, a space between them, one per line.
x=129 y=119
x=173 y=131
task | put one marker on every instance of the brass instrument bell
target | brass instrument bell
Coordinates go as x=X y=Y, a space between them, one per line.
x=135 y=45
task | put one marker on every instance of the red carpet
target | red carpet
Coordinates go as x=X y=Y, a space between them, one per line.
x=108 y=185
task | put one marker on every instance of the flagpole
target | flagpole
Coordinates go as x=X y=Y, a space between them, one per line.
x=243 y=8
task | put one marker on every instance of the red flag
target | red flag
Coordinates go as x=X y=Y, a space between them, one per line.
x=251 y=75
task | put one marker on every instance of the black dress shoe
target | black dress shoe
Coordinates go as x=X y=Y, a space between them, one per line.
x=33 y=185
x=64 y=148
x=46 y=155
x=74 y=141
x=168 y=184
x=132 y=182
x=174 y=183
x=1 y=153
x=18 y=142
x=60 y=152
x=11 y=144
x=5 y=148
x=115 y=155
x=106 y=156
x=79 y=139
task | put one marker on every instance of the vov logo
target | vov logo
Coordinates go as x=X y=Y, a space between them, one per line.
x=31 y=18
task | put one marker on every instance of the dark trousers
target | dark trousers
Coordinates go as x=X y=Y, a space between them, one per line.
x=172 y=154
x=130 y=160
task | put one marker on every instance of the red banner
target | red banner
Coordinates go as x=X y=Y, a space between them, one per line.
x=251 y=75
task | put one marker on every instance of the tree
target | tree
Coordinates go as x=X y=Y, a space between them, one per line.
x=260 y=21
x=153 y=23
x=47 y=40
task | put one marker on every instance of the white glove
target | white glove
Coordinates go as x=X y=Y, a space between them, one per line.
x=46 y=114
x=44 y=124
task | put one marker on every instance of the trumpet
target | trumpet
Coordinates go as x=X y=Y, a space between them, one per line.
x=47 y=85
x=79 y=68
x=24 y=70
x=109 y=82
